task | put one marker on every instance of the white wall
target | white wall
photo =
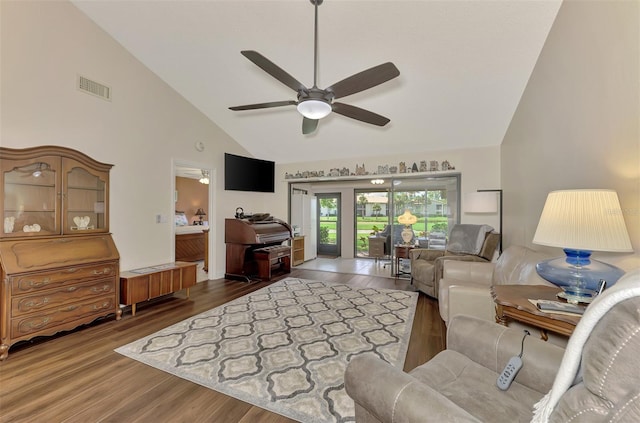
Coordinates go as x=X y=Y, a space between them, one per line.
x=577 y=124
x=141 y=131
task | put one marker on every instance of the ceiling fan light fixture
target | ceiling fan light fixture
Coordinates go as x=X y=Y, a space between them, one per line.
x=205 y=177
x=314 y=109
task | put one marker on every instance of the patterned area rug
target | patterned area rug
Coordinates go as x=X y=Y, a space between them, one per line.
x=285 y=347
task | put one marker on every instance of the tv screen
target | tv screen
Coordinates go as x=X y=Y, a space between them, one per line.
x=248 y=174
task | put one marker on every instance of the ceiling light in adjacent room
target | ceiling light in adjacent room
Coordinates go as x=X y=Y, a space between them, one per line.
x=205 y=177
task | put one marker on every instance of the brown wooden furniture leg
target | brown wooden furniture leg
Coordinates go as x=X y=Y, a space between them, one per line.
x=286 y=260
x=500 y=317
x=544 y=335
x=264 y=267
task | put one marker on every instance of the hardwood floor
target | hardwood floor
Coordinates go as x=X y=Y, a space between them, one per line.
x=77 y=377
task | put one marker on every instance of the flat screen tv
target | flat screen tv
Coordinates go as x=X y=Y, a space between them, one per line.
x=248 y=174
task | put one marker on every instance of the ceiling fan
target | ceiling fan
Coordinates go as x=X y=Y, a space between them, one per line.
x=315 y=103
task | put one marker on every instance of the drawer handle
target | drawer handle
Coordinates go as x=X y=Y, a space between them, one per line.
x=105 y=288
x=38 y=284
x=105 y=271
x=34 y=304
x=71 y=270
x=72 y=288
x=70 y=308
x=100 y=307
x=38 y=325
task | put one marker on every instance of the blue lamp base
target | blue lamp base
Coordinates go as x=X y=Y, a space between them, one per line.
x=577 y=274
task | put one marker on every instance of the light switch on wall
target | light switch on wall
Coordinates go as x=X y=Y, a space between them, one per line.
x=161 y=218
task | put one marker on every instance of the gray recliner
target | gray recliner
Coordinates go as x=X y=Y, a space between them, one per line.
x=459 y=384
x=426 y=264
x=465 y=287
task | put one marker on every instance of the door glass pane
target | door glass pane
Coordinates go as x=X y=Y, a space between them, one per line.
x=372 y=217
x=434 y=202
x=85 y=201
x=30 y=200
x=329 y=224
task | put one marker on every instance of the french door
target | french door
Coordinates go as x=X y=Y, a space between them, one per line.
x=328 y=224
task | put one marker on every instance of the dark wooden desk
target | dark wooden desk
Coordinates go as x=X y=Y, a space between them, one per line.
x=512 y=303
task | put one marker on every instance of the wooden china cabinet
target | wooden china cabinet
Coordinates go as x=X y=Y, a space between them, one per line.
x=60 y=266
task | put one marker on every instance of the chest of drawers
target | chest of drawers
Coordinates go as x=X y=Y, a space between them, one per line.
x=52 y=285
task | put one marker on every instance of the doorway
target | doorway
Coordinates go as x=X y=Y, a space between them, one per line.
x=329 y=224
x=193 y=203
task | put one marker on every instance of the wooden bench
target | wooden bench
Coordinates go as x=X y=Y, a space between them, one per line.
x=151 y=282
x=270 y=258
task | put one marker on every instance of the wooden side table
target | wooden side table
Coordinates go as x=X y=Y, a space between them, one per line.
x=376 y=247
x=297 y=250
x=147 y=283
x=512 y=303
x=402 y=252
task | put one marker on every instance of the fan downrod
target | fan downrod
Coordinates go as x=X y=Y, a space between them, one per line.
x=315 y=103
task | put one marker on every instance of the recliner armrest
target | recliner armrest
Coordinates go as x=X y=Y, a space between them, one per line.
x=476 y=272
x=425 y=254
x=471 y=300
x=492 y=345
x=388 y=394
x=439 y=265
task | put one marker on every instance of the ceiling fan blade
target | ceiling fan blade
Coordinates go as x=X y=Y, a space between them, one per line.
x=364 y=80
x=309 y=125
x=264 y=105
x=357 y=113
x=272 y=69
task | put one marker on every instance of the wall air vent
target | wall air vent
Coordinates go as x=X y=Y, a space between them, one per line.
x=94 y=88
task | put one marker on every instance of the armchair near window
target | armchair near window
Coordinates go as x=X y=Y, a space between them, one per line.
x=466 y=243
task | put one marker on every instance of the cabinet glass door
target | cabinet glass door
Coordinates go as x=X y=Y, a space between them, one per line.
x=30 y=197
x=85 y=199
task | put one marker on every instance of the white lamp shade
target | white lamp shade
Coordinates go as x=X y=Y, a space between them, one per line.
x=407 y=218
x=481 y=202
x=314 y=109
x=586 y=219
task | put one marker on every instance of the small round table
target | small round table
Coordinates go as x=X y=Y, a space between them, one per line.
x=402 y=252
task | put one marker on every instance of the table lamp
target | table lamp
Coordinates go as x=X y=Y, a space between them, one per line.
x=407 y=219
x=200 y=213
x=579 y=222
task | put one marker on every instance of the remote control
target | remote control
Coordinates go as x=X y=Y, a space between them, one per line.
x=509 y=373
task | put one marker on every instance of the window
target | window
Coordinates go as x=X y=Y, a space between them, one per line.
x=435 y=201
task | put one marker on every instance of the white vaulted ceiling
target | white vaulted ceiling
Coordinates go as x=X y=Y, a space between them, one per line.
x=463 y=66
